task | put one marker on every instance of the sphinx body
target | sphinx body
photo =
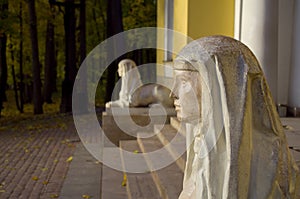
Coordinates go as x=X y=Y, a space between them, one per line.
x=236 y=147
x=134 y=93
x=151 y=94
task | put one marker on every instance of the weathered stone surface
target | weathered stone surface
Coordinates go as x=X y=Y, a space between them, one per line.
x=233 y=128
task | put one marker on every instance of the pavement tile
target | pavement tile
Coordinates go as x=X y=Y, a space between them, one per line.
x=40 y=148
x=32 y=157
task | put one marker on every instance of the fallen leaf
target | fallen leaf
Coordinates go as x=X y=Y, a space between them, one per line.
x=70 y=145
x=35 y=178
x=69 y=159
x=55 y=161
x=36 y=147
x=54 y=196
x=2 y=191
x=44 y=169
x=124 y=182
x=136 y=151
x=86 y=196
x=45 y=182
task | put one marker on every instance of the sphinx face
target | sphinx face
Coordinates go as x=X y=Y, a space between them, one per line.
x=121 y=70
x=186 y=92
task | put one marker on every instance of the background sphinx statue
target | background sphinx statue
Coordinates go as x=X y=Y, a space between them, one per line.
x=151 y=94
x=236 y=144
x=134 y=94
x=131 y=80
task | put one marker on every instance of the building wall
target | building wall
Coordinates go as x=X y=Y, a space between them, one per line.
x=266 y=26
x=195 y=19
x=180 y=24
x=210 y=17
x=160 y=38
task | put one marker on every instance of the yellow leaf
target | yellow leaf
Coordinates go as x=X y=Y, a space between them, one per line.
x=36 y=147
x=136 y=151
x=124 y=182
x=2 y=191
x=35 y=178
x=70 y=145
x=44 y=169
x=86 y=196
x=45 y=182
x=55 y=161
x=69 y=159
x=54 y=196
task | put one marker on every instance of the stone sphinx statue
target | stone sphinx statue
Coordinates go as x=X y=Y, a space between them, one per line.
x=236 y=144
x=150 y=95
x=134 y=94
x=131 y=80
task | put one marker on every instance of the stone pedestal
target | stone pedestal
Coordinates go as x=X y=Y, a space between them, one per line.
x=125 y=123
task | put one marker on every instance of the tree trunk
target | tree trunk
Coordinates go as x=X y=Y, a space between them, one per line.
x=114 y=26
x=70 y=51
x=82 y=97
x=21 y=60
x=14 y=78
x=3 y=64
x=37 y=94
x=50 y=59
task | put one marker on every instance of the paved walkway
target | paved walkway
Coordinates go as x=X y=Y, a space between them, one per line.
x=44 y=158
x=84 y=176
x=35 y=157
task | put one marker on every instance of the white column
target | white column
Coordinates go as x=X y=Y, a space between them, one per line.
x=294 y=89
x=258 y=29
x=169 y=10
x=285 y=34
x=238 y=19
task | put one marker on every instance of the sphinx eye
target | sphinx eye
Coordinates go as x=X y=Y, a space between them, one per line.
x=183 y=82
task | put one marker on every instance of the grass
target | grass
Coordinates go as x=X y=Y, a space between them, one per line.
x=10 y=113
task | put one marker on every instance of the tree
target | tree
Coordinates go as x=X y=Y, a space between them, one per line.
x=70 y=53
x=3 y=40
x=50 y=58
x=137 y=14
x=114 y=26
x=21 y=85
x=13 y=73
x=37 y=94
x=83 y=97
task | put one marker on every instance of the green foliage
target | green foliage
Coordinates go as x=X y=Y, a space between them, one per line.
x=138 y=13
